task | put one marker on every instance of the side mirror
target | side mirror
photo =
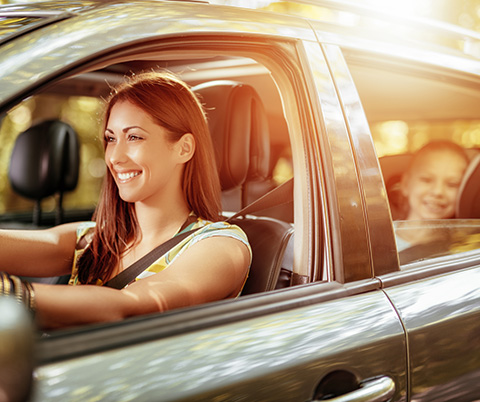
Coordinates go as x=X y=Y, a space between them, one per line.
x=16 y=351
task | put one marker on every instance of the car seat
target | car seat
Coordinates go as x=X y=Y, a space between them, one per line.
x=44 y=162
x=393 y=167
x=240 y=135
x=468 y=202
x=239 y=130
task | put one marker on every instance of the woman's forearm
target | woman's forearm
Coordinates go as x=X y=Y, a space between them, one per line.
x=59 y=306
x=38 y=252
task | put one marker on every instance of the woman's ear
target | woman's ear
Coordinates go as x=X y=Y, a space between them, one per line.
x=186 y=147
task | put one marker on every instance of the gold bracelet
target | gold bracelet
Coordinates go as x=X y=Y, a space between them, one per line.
x=31 y=296
x=17 y=288
x=7 y=284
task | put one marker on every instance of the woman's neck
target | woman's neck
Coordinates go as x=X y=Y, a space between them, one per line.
x=161 y=223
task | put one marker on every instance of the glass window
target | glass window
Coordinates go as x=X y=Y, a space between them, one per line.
x=83 y=114
x=425 y=126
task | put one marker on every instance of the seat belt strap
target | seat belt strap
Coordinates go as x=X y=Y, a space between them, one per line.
x=280 y=195
x=130 y=273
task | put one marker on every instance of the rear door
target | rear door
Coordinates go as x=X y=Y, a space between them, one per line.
x=436 y=292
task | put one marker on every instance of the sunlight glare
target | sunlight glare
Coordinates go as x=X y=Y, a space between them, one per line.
x=409 y=8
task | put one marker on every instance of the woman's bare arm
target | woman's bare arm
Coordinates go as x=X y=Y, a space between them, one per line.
x=213 y=269
x=39 y=253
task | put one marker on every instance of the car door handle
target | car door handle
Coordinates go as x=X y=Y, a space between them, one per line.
x=379 y=389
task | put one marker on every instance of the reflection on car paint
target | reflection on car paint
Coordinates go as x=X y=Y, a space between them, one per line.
x=255 y=349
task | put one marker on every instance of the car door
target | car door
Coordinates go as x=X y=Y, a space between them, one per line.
x=436 y=291
x=334 y=333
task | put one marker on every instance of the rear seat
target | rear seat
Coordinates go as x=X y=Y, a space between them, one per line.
x=468 y=204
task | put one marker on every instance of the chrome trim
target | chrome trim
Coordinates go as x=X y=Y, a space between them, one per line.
x=31 y=13
x=377 y=390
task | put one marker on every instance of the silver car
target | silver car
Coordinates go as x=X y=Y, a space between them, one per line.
x=335 y=96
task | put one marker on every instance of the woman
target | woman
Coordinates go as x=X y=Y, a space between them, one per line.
x=162 y=180
x=430 y=189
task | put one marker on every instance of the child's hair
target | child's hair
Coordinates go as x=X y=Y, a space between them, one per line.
x=437 y=146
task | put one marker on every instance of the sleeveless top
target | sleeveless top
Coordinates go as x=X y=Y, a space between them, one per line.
x=207 y=229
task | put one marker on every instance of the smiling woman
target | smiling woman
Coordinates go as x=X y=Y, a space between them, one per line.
x=162 y=182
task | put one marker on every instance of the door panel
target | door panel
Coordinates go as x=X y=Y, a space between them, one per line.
x=442 y=318
x=281 y=356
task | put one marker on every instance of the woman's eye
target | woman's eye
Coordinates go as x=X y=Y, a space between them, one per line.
x=109 y=138
x=133 y=137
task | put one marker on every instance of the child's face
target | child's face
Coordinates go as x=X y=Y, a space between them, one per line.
x=432 y=183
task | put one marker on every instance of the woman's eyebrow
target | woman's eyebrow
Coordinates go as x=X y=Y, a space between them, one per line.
x=127 y=129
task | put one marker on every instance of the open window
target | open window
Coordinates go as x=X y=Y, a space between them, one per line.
x=218 y=78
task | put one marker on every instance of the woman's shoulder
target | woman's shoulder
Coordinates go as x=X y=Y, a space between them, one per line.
x=218 y=228
x=84 y=234
x=84 y=227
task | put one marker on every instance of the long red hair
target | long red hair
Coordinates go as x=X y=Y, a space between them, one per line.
x=173 y=106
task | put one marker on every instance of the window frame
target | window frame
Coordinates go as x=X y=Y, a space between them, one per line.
x=436 y=265
x=286 y=60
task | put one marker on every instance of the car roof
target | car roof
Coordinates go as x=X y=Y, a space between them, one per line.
x=449 y=35
x=71 y=31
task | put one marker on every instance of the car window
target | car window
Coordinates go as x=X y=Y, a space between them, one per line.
x=78 y=101
x=83 y=113
x=408 y=107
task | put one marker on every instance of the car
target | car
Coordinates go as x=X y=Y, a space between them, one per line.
x=330 y=99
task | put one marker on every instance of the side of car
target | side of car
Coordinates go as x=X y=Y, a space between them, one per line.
x=351 y=319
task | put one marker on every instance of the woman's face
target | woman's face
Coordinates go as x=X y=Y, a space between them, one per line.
x=432 y=183
x=143 y=163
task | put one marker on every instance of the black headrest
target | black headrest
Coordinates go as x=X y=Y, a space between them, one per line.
x=45 y=160
x=393 y=167
x=239 y=130
x=468 y=203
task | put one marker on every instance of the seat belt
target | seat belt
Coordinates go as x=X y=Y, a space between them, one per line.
x=280 y=195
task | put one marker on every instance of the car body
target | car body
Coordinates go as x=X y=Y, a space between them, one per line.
x=356 y=318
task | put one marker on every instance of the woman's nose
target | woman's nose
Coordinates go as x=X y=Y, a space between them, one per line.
x=116 y=153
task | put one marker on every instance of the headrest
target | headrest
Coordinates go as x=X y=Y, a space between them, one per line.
x=393 y=167
x=45 y=160
x=468 y=203
x=239 y=129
